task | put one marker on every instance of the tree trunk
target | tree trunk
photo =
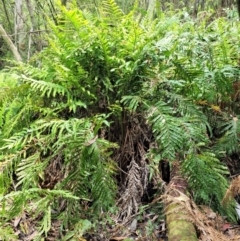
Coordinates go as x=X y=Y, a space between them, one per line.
x=238 y=7
x=180 y=228
x=7 y=15
x=195 y=8
x=64 y=2
x=151 y=8
x=20 y=34
x=34 y=37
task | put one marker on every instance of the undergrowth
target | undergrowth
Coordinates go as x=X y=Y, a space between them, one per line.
x=112 y=96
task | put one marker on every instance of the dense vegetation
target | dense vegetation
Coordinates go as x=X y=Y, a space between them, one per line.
x=86 y=123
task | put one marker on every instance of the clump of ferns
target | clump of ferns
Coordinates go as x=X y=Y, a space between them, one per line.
x=85 y=159
x=207 y=180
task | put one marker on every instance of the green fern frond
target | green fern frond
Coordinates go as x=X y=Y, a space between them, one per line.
x=15 y=113
x=104 y=186
x=5 y=178
x=229 y=140
x=7 y=233
x=17 y=200
x=181 y=126
x=8 y=86
x=111 y=10
x=206 y=177
x=195 y=121
x=184 y=71
x=86 y=160
x=131 y=102
x=13 y=108
x=46 y=88
x=167 y=130
x=30 y=170
x=17 y=141
x=80 y=228
x=72 y=18
x=186 y=107
x=98 y=168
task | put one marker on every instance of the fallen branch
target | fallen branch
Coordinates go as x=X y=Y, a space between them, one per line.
x=10 y=44
x=183 y=216
x=179 y=225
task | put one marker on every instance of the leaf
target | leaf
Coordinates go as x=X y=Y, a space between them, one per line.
x=216 y=108
x=90 y=142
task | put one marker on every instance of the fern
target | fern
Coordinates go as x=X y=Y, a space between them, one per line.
x=98 y=75
x=7 y=233
x=229 y=137
x=79 y=229
x=98 y=169
x=167 y=130
x=206 y=177
x=132 y=102
x=46 y=88
x=85 y=158
x=30 y=170
x=111 y=10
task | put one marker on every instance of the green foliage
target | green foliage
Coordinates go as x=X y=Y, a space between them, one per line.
x=60 y=113
x=7 y=233
x=177 y=130
x=229 y=131
x=74 y=146
x=80 y=228
x=41 y=203
x=207 y=181
x=206 y=178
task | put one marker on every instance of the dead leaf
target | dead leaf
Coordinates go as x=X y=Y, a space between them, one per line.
x=230 y=233
x=90 y=142
x=216 y=108
x=118 y=238
x=211 y=215
x=133 y=225
x=32 y=236
x=226 y=226
x=16 y=221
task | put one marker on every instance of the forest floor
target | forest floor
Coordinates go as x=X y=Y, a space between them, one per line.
x=149 y=221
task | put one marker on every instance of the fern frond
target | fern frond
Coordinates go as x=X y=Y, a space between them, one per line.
x=46 y=88
x=15 y=113
x=195 y=121
x=229 y=141
x=167 y=130
x=184 y=71
x=206 y=177
x=30 y=170
x=7 y=233
x=111 y=10
x=104 y=186
x=131 y=102
x=86 y=160
x=98 y=169
x=17 y=200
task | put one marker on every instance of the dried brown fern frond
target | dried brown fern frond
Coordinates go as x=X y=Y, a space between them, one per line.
x=134 y=176
x=232 y=191
x=131 y=197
